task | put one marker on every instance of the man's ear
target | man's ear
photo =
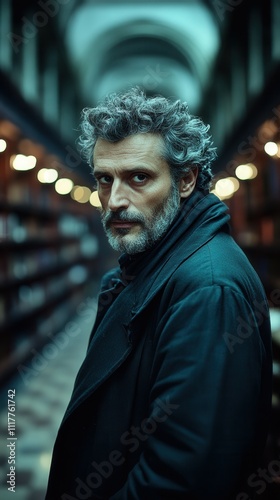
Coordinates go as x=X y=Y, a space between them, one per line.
x=187 y=183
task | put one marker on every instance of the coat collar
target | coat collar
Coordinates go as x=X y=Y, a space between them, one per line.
x=199 y=219
x=202 y=214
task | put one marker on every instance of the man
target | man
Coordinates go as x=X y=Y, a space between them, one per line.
x=173 y=397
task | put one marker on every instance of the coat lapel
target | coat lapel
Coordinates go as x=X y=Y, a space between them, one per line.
x=108 y=349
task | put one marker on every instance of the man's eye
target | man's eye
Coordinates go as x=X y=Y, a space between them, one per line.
x=104 y=180
x=139 y=178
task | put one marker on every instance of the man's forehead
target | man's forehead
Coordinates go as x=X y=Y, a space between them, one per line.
x=138 y=144
x=139 y=152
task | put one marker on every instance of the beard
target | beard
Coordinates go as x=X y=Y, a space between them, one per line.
x=152 y=227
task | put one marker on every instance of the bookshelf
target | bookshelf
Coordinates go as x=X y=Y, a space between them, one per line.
x=255 y=207
x=255 y=221
x=49 y=251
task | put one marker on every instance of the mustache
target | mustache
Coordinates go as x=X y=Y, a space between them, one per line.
x=110 y=217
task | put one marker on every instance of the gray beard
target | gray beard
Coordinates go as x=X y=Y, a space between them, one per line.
x=152 y=229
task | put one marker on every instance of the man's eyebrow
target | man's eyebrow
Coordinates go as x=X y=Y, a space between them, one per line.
x=141 y=168
x=97 y=172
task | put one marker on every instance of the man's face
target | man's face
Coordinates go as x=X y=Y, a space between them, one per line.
x=138 y=197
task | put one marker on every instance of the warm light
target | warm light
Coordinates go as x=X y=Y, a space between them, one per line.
x=213 y=192
x=47 y=175
x=94 y=199
x=64 y=186
x=22 y=162
x=246 y=171
x=45 y=460
x=225 y=188
x=235 y=182
x=81 y=194
x=3 y=145
x=271 y=148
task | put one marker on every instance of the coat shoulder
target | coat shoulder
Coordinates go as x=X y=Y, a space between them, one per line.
x=220 y=262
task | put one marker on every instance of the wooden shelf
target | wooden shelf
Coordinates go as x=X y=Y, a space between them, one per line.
x=268 y=209
x=14 y=320
x=48 y=272
x=28 y=209
x=37 y=243
x=48 y=254
x=25 y=350
x=42 y=211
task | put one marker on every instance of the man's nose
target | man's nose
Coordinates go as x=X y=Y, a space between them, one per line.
x=118 y=197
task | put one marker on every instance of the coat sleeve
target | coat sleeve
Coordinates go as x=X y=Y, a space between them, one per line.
x=204 y=400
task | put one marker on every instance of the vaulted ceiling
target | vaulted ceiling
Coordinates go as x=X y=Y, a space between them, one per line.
x=166 y=47
x=62 y=55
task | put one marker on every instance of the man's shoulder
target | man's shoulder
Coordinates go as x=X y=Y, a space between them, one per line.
x=219 y=262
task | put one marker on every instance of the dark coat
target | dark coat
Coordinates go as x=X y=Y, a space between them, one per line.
x=172 y=400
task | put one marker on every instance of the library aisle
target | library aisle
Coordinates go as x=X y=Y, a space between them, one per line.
x=41 y=390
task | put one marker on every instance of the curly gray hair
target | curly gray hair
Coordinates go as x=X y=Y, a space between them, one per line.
x=187 y=143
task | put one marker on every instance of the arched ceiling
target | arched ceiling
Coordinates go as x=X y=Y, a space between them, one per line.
x=166 y=47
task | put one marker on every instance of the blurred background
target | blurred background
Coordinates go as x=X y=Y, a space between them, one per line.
x=56 y=57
